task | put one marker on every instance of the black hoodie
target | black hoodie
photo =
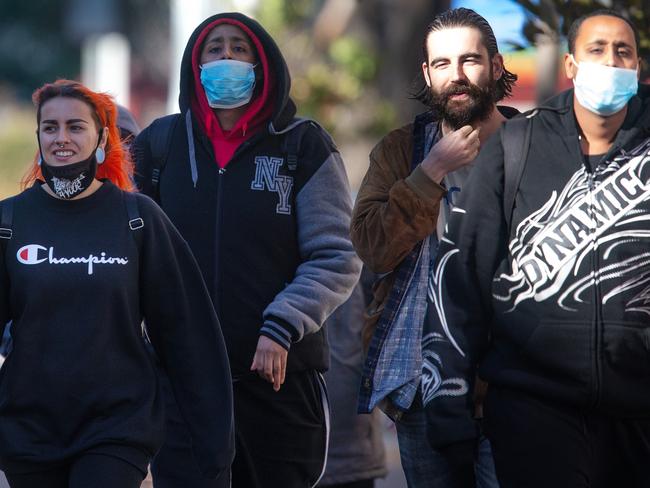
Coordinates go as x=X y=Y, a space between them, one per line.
x=563 y=296
x=272 y=242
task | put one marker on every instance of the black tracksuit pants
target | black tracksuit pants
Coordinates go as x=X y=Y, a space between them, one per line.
x=87 y=470
x=539 y=443
x=280 y=437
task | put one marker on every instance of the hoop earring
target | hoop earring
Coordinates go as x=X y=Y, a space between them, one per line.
x=100 y=155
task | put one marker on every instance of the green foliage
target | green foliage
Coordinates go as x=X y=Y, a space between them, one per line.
x=272 y=15
x=554 y=18
x=297 y=11
x=384 y=118
x=354 y=58
x=326 y=81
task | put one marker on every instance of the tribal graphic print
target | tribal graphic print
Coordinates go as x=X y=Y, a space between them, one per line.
x=552 y=248
x=551 y=255
x=432 y=383
x=68 y=188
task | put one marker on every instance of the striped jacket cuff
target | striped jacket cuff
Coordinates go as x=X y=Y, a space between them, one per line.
x=277 y=332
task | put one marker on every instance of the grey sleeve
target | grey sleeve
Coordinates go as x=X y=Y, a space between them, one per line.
x=330 y=268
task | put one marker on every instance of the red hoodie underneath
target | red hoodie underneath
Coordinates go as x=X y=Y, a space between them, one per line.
x=258 y=113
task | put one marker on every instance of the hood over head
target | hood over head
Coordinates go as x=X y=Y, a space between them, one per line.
x=126 y=122
x=271 y=103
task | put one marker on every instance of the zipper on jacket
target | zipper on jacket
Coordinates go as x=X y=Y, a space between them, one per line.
x=217 y=245
x=221 y=174
x=597 y=329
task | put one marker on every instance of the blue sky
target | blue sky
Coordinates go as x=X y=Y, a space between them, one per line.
x=505 y=17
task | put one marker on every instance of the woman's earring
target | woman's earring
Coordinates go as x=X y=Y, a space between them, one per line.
x=100 y=155
x=40 y=159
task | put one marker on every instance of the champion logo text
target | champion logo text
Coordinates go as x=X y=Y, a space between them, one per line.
x=32 y=254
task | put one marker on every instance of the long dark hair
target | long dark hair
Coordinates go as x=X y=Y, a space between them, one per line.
x=464 y=17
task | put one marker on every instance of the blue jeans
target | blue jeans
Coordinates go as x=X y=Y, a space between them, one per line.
x=425 y=467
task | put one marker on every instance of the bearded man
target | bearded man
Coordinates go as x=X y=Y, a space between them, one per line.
x=395 y=224
x=542 y=281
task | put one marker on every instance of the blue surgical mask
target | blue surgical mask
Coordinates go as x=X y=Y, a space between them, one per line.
x=228 y=83
x=604 y=90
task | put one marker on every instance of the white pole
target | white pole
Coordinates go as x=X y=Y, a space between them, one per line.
x=106 y=66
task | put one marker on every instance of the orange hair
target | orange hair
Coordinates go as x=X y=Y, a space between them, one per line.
x=117 y=167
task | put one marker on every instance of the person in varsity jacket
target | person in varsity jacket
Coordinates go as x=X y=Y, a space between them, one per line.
x=84 y=260
x=549 y=296
x=266 y=214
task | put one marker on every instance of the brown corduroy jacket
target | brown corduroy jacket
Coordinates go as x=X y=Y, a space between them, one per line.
x=395 y=209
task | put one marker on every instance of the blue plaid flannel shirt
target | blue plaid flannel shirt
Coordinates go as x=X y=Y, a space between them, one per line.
x=393 y=365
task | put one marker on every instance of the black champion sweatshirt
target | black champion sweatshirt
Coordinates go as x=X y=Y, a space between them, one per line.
x=76 y=281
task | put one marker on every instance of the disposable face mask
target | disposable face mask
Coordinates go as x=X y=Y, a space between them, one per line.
x=604 y=90
x=228 y=83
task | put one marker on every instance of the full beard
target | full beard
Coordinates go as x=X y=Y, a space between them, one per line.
x=458 y=113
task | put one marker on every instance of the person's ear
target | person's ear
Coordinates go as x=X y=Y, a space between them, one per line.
x=100 y=152
x=570 y=68
x=425 y=72
x=497 y=66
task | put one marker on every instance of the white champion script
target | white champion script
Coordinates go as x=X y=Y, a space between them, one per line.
x=29 y=255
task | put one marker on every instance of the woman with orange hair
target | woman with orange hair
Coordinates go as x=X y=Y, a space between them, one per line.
x=83 y=261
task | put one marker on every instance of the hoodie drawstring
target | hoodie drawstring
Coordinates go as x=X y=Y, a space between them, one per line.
x=190 y=145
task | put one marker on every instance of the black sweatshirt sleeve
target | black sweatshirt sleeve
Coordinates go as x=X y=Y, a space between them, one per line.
x=185 y=332
x=467 y=259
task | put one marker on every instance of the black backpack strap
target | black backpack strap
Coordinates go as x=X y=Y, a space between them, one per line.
x=6 y=229
x=515 y=140
x=160 y=140
x=6 y=233
x=291 y=143
x=6 y=219
x=135 y=221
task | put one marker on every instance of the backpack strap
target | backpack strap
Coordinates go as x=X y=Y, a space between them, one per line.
x=6 y=219
x=292 y=138
x=135 y=221
x=515 y=140
x=160 y=140
x=6 y=233
x=291 y=143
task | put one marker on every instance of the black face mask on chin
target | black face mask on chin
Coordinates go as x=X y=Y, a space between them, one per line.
x=72 y=179
x=68 y=181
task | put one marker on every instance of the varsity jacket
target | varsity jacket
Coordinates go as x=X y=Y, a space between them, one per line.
x=272 y=240
x=556 y=305
x=77 y=281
